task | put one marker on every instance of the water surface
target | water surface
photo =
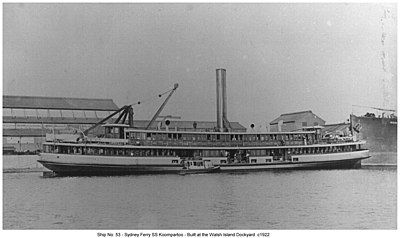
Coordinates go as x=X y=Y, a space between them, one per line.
x=310 y=199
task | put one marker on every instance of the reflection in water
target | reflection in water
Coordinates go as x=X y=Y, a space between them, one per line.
x=322 y=199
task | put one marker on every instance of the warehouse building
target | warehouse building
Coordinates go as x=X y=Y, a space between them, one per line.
x=295 y=121
x=27 y=120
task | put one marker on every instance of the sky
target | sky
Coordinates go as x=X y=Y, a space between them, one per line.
x=280 y=58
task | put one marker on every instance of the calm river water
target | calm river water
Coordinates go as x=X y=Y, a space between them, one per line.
x=320 y=199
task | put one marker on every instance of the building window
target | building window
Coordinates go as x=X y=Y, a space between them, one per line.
x=18 y=112
x=7 y=112
x=304 y=123
x=55 y=113
x=90 y=114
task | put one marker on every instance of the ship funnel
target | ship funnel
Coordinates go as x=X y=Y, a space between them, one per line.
x=222 y=118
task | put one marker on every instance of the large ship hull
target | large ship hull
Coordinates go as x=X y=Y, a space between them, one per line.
x=380 y=134
x=81 y=165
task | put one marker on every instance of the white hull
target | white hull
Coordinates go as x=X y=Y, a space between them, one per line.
x=98 y=165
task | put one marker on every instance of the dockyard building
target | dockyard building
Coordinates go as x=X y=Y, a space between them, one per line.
x=295 y=121
x=27 y=120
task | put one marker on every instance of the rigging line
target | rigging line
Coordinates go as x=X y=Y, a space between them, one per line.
x=376 y=108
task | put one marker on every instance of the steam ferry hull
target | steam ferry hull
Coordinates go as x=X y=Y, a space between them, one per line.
x=77 y=169
x=70 y=165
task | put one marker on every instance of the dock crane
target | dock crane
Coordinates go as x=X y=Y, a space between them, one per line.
x=127 y=112
x=162 y=106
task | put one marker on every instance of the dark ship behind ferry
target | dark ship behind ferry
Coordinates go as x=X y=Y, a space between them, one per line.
x=380 y=133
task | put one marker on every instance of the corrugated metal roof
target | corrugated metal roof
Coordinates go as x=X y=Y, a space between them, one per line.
x=33 y=102
x=292 y=117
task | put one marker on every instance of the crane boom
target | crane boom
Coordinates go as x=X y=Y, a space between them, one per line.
x=105 y=119
x=162 y=106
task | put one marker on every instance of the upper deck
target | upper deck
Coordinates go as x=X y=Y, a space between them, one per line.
x=223 y=139
x=121 y=135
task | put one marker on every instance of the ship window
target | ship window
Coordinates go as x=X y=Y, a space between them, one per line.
x=223 y=161
x=253 y=161
x=263 y=152
x=215 y=153
x=222 y=137
x=295 y=159
x=268 y=160
x=174 y=161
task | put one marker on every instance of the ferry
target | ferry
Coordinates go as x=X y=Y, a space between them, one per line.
x=125 y=150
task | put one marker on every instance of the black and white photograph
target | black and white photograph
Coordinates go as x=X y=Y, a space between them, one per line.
x=244 y=119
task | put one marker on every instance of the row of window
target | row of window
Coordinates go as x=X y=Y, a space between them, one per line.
x=273 y=160
x=192 y=153
x=55 y=113
x=44 y=126
x=141 y=136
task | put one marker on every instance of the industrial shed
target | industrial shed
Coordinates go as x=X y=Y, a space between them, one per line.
x=27 y=119
x=295 y=121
